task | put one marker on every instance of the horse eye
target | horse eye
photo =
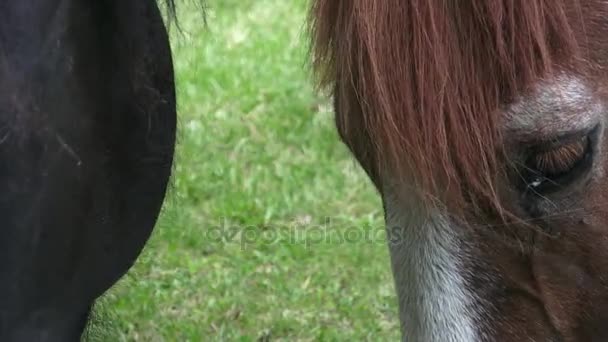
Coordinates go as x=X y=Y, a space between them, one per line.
x=561 y=159
x=551 y=167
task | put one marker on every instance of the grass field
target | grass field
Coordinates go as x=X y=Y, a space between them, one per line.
x=270 y=232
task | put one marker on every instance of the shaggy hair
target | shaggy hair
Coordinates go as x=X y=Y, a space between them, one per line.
x=419 y=83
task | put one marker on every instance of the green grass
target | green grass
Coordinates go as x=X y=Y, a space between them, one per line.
x=270 y=231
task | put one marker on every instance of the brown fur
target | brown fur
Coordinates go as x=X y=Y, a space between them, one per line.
x=418 y=88
x=428 y=78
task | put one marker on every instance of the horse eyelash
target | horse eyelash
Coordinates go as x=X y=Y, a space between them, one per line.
x=560 y=159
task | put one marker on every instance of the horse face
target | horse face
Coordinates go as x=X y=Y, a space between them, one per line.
x=485 y=108
x=553 y=285
x=543 y=278
x=87 y=114
x=546 y=280
x=539 y=279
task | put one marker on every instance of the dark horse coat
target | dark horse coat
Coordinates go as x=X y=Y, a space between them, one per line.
x=87 y=133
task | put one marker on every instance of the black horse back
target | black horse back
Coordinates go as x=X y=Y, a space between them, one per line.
x=87 y=134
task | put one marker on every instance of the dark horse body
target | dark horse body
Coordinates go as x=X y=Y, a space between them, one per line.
x=87 y=121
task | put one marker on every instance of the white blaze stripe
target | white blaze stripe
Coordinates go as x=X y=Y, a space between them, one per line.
x=434 y=303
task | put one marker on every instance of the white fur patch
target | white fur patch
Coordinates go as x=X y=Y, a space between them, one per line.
x=562 y=104
x=434 y=303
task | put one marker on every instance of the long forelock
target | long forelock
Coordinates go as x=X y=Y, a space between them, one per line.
x=424 y=80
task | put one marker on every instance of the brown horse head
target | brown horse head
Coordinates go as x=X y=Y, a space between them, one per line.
x=482 y=125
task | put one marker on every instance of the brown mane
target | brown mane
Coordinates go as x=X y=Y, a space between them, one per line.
x=419 y=83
